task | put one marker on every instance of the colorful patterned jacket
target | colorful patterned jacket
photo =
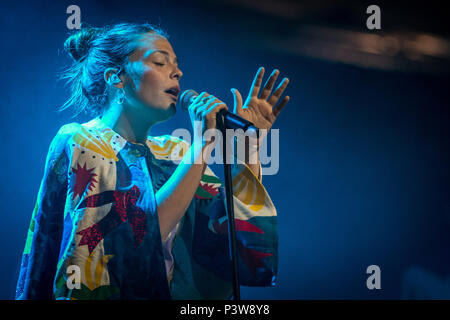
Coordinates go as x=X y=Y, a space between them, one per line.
x=95 y=218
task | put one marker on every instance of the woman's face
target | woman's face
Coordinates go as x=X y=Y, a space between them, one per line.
x=152 y=71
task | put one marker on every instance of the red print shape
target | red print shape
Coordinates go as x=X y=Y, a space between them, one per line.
x=124 y=209
x=83 y=177
x=213 y=191
x=252 y=258
x=241 y=225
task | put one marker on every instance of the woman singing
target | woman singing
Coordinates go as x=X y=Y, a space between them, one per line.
x=116 y=217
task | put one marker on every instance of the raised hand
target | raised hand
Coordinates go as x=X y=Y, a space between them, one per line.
x=261 y=111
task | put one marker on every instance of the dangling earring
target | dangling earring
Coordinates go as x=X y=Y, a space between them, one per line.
x=121 y=96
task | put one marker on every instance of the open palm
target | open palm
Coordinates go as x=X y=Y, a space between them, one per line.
x=261 y=111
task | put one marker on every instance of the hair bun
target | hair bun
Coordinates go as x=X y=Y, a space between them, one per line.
x=79 y=43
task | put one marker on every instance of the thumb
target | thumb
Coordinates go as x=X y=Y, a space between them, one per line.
x=237 y=101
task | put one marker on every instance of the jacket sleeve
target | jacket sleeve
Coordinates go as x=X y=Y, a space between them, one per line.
x=256 y=228
x=40 y=256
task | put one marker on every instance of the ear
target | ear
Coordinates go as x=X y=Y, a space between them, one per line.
x=111 y=77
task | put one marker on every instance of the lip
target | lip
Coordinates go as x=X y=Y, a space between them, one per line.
x=175 y=88
x=172 y=95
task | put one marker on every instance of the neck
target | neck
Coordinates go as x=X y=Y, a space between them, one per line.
x=130 y=125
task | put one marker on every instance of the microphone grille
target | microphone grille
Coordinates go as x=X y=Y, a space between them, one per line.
x=186 y=98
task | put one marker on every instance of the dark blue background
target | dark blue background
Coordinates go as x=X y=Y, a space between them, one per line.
x=364 y=174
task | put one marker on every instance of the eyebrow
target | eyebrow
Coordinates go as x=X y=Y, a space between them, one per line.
x=149 y=52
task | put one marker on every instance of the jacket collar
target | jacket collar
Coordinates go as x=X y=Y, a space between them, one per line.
x=116 y=138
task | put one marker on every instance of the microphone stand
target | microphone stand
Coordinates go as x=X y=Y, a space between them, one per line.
x=222 y=125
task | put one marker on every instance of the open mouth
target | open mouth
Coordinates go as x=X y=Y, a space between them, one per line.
x=173 y=95
x=174 y=91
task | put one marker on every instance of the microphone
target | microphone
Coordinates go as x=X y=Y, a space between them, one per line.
x=231 y=120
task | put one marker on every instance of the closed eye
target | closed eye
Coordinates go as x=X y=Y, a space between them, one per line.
x=159 y=64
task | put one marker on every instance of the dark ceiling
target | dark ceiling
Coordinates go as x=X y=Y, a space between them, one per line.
x=414 y=36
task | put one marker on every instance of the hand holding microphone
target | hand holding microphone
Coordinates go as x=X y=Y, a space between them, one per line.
x=257 y=113
x=211 y=107
x=203 y=110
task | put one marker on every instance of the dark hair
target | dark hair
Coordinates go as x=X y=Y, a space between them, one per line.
x=93 y=51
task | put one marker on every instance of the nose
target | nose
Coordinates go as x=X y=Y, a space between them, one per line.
x=177 y=74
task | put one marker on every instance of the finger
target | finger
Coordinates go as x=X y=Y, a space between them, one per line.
x=201 y=97
x=211 y=115
x=269 y=84
x=214 y=109
x=205 y=105
x=195 y=106
x=195 y=103
x=237 y=101
x=278 y=92
x=276 y=110
x=254 y=90
x=207 y=100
